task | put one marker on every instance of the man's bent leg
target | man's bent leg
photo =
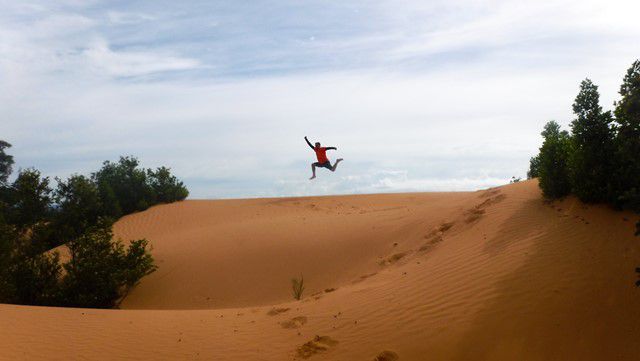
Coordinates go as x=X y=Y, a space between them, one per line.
x=333 y=169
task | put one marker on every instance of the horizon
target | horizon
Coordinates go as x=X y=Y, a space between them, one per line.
x=444 y=96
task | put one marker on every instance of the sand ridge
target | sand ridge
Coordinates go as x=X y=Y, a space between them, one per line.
x=497 y=274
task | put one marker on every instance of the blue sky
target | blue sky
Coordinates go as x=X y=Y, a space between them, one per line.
x=417 y=95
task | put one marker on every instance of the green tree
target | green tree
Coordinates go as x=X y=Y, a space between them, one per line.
x=534 y=167
x=29 y=200
x=123 y=187
x=592 y=152
x=167 y=188
x=554 y=155
x=79 y=206
x=626 y=178
x=101 y=270
x=34 y=278
x=99 y=274
x=6 y=163
x=110 y=205
x=6 y=256
x=26 y=276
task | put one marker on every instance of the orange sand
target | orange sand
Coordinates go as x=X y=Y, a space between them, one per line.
x=487 y=275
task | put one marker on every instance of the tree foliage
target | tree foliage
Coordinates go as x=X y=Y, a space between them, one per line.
x=554 y=158
x=627 y=157
x=79 y=214
x=6 y=162
x=125 y=185
x=166 y=187
x=79 y=206
x=592 y=150
x=101 y=270
x=602 y=150
x=125 y=188
x=29 y=199
x=534 y=167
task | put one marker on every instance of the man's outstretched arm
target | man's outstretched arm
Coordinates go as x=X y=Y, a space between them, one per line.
x=308 y=142
x=330 y=148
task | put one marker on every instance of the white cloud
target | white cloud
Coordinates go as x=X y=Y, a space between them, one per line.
x=132 y=63
x=119 y=17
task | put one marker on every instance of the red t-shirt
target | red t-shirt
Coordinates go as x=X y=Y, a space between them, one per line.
x=321 y=154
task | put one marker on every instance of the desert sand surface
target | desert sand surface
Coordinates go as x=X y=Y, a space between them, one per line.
x=496 y=274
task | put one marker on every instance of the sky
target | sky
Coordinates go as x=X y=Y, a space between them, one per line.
x=443 y=95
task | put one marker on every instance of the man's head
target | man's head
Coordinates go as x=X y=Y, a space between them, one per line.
x=317 y=144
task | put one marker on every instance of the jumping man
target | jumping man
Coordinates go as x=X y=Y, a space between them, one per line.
x=323 y=161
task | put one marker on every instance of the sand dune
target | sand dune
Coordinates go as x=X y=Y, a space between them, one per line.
x=489 y=275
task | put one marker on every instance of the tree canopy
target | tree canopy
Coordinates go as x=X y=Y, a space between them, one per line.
x=598 y=161
x=78 y=213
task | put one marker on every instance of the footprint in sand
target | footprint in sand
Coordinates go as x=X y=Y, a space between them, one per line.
x=478 y=211
x=474 y=214
x=392 y=259
x=489 y=192
x=387 y=356
x=364 y=277
x=440 y=230
x=295 y=322
x=317 y=345
x=430 y=244
x=445 y=226
x=277 y=311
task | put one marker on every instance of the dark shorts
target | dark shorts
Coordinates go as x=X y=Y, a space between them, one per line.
x=326 y=164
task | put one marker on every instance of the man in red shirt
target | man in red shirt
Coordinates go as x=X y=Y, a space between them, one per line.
x=323 y=161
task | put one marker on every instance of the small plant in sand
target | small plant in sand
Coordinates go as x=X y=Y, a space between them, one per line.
x=298 y=287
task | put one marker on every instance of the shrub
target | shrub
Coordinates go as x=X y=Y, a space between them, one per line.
x=534 y=167
x=553 y=158
x=101 y=271
x=125 y=188
x=127 y=183
x=34 y=279
x=26 y=276
x=29 y=199
x=298 y=287
x=6 y=163
x=166 y=187
x=109 y=202
x=79 y=206
x=6 y=251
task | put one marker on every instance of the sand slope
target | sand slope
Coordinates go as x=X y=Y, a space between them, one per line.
x=489 y=275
